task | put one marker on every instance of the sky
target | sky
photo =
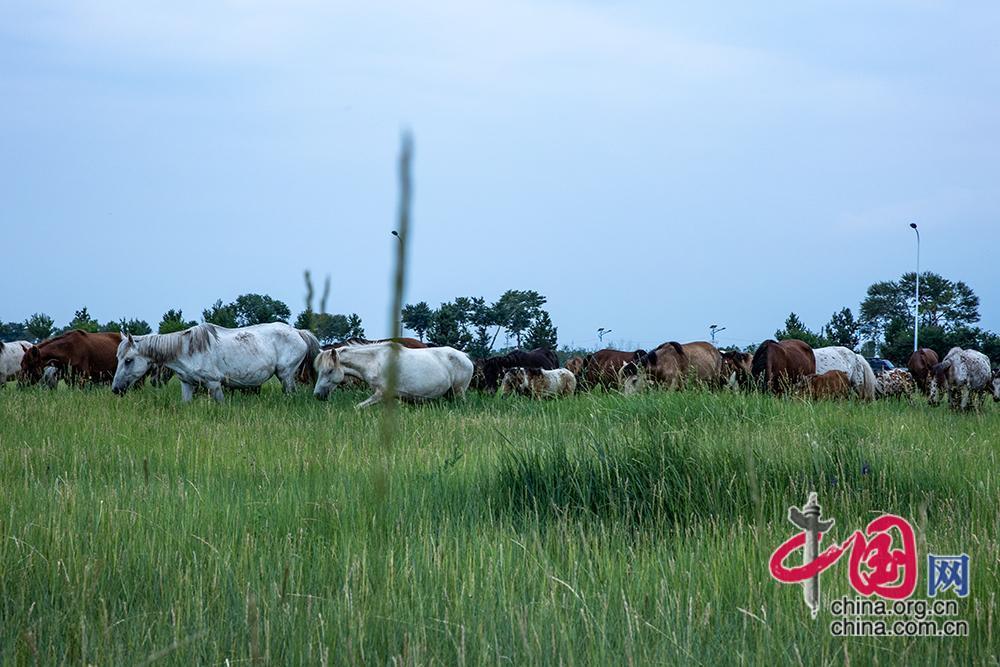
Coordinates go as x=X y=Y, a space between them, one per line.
x=650 y=167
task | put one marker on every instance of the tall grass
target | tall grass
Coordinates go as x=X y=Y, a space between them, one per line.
x=598 y=529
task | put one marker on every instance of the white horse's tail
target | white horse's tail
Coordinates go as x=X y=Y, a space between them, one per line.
x=306 y=373
x=868 y=387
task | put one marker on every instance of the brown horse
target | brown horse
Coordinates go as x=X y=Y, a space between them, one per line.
x=920 y=365
x=668 y=365
x=80 y=357
x=779 y=365
x=832 y=384
x=574 y=365
x=736 y=368
x=704 y=364
x=611 y=368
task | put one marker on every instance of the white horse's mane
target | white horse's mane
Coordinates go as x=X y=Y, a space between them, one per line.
x=164 y=348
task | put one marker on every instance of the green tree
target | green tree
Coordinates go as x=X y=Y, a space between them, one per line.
x=38 y=327
x=83 y=321
x=306 y=320
x=173 y=320
x=542 y=333
x=448 y=327
x=134 y=326
x=221 y=314
x=842 y=329
x=515 y=311
x=795 y=328
x=331 y=328
x=944 y=304
x=418 y=318
x=259 y=309
x=354 y=326
x=13 y=331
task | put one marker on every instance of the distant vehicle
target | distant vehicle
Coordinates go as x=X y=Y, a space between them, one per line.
x=880 y=365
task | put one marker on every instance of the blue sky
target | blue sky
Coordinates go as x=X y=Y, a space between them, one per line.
x=650 y=167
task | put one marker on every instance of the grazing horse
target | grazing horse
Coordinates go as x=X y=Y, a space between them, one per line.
x=962 y=375
x=538 y=382
x=736 y=368
x=668 y=365
x=894 y=383
x=613 y=369
x=704 y=364
x=211 y=356
x=995 y=383
x=574 y=365
x=831 y=384
x=307 y=374
x=10 y=359
x=779 y=365
x=837 y=358
x=80 y=357
x=490 y=371
x=50 y=377
x=423 y=373
x=920 y=364
x=411 y=343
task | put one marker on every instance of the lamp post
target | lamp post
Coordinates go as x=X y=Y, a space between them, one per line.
x=600 y=333
x=916 y=300
x=715 y=328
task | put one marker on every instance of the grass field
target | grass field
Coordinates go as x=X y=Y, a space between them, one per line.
x=592 y=530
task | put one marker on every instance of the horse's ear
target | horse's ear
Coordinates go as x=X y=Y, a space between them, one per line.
x=131 y=341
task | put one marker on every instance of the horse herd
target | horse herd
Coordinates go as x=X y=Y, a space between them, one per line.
x=211 y=358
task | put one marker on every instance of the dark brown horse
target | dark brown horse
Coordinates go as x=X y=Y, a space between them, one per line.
x=779 y=365
x=79 y=356
x=489 y=372
x=921 y=365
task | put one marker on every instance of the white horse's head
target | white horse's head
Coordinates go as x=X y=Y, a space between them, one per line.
x=329 y=373
x=132 y=365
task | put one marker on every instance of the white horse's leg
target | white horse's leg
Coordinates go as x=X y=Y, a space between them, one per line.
x=371 y=400
x=215 y=389
x=187 y=391
x=287 y=377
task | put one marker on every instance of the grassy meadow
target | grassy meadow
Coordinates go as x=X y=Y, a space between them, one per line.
x=594 y=530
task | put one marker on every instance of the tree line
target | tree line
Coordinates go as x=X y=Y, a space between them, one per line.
x=949 y=311
x=245 y=310
x=471 y=324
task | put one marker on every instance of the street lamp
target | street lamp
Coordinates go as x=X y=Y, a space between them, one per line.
x=600 y=333
x=715 y=328
x=916 y=300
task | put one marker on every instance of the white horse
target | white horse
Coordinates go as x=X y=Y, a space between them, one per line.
x=10 y=359
x=837 y=358
x=214 y=357
x=423 y=373
x=960 y=375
